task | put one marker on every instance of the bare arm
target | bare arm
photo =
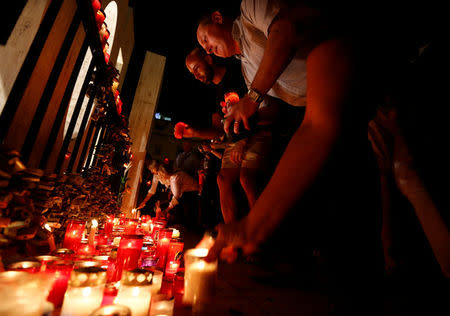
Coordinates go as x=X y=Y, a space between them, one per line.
x=281 y=45
x=411 y=185
x=328 y=67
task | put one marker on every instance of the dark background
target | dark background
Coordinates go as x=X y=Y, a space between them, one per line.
x=169 y=28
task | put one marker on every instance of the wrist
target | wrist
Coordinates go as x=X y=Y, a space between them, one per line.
x=255 y=96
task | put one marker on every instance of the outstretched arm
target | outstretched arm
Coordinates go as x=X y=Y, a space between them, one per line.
x=329 y=81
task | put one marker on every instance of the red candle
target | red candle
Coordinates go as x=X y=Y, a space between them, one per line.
x=178 y=287
x=163 y=246
x=45 y=260
x=101 y=239
x=86 y=249
x=173 y=258
x=131 y=226
x=128 y=254
x=64 y=253
x=109 y=224
x=157 y=226
x=60 y=270
x=74 y=233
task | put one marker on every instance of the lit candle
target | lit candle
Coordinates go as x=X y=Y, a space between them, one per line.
x=74 y=234
x=92 y=233
x=64 y=253
x=85 y=291
x=112 y=309
x=23 y=293
x=60 y=271
x=163 y=246
x=86 y=249
x=173 y=258
x=131 y=226
x=26 y=266
x=162 y=305
x=199 y=277
x=128 y=254
x=44 y=261
x=157 y=280
x=109 y=224
x=135 y=291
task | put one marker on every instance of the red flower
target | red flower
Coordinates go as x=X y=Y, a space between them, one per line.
x=179 y=130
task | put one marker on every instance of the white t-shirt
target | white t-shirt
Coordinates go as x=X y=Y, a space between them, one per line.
x=251 y=30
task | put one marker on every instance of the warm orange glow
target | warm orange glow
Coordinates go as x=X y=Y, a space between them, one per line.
x=231 y=97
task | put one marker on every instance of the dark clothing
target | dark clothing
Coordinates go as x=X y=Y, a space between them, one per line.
x=190 y=162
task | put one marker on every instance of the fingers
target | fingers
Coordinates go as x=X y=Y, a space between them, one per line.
x=236 y=127
x=215 y=250
x=227 y=123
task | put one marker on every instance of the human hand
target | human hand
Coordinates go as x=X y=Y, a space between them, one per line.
x=229 y=238
x=237 y=153
x=179 y=130
x=140 y=206
x=241 y=111
x=206 y=147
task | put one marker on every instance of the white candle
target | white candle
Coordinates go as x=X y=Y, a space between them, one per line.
x=162 y=305
x=199 y=277
x=81 y=301
x=93 y=231
x=157 y=281
x=135 y=291
x=137 y=298
x=85 y=291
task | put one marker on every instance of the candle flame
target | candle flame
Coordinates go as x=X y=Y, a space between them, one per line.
x=86 y=291
x=175 y=233
x=47 y=227
x=94 y=223
x=135 y=291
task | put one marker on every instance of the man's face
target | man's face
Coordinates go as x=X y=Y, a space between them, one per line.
x=215 y=39
x=201 y=70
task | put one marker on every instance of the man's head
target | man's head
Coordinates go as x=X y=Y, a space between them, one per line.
x=214 y=35
x=200 y=65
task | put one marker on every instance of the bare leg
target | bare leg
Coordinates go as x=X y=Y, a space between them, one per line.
x=248 y=181
x=225 y=180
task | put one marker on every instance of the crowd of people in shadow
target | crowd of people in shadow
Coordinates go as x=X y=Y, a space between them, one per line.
x=332 y=158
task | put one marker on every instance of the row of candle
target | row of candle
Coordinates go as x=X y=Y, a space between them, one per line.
x=164 y=254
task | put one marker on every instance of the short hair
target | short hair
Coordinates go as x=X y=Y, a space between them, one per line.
x=198 y=52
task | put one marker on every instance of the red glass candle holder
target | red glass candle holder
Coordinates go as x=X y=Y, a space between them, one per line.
x=131 y=225
x=162 y=248
x=86 y=249
x=157 y=226
x=101 y=239
x=60 y=270
x=64 y=253
x=45 y=260
x=174 y=255
x=74 y=233
x=109 y=224
x=178 y=287
x=128 y=254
